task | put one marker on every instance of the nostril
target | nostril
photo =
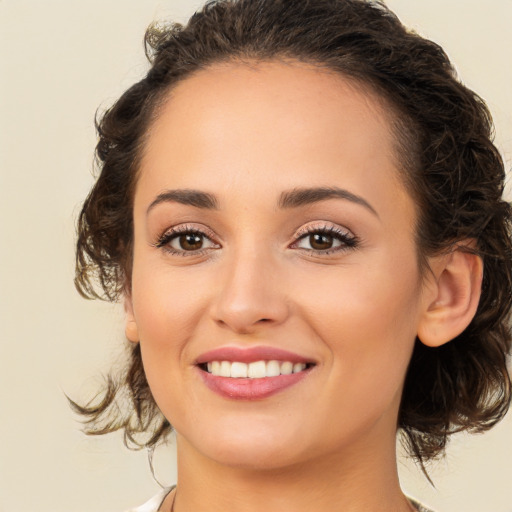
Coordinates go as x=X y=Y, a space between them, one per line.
x=244 y=309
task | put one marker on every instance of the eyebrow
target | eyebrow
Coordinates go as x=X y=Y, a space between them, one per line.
x=289 y=199
x=186 y=196
x=305 y=196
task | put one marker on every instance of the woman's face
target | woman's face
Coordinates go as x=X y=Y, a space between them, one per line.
x=271 y=225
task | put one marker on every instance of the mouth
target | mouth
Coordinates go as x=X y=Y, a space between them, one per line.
x=252 y=373
x=255 y=370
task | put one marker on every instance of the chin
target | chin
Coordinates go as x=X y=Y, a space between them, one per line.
x=253 y=448
x=253 y=458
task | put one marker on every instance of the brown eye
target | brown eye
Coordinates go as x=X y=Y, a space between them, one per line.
x=326 y=240
x=186 y=242
x=321 y=241
x=189 y=242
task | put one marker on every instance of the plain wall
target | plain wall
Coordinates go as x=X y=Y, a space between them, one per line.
x=59 y=61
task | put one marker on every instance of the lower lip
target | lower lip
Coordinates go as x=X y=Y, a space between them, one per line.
x=250 y=389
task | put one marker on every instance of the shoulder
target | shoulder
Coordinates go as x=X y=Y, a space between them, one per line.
x=419 y=507
x=154 y=503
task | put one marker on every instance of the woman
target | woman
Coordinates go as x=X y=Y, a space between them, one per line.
x=300 y=207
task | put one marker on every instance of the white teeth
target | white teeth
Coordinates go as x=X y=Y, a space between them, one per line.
x=255 y=370
x=298 y=367
x=225 y=369
x=238 y=370
x=286 y=368
x=273 y=369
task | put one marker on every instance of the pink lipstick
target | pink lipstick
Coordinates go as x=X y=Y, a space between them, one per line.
x=251 y=373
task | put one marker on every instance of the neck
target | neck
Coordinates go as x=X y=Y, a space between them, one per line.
x=353 y=480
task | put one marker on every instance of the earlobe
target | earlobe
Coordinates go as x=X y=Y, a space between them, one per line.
x=452 y=297
x=130 y=329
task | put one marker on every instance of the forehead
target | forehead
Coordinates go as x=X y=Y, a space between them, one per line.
x=245 y=123
x=297 y=98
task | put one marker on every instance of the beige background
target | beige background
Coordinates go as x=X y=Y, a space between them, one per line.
x=60 y=60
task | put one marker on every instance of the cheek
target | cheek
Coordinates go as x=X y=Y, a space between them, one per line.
x=367 y=318
x=370 y=335
x=167 y=309
x=167 y=305
x=353 y=301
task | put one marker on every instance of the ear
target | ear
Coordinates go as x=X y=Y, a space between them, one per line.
x=451 y=296
x=130 y=329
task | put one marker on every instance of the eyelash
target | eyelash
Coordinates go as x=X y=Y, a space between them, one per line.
x=347 y=239
x=166 y=238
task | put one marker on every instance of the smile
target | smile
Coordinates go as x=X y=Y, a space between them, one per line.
x=255 y=370
x=254 y=373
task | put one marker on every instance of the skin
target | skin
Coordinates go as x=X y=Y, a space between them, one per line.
x=246 y=134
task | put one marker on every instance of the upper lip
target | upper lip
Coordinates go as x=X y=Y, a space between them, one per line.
x=250 y=355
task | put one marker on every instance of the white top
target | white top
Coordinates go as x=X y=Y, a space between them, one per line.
x=156 y=501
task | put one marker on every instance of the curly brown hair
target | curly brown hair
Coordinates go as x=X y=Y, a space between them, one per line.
x=443 y=135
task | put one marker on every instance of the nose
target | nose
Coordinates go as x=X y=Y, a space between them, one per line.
x=251 y=294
